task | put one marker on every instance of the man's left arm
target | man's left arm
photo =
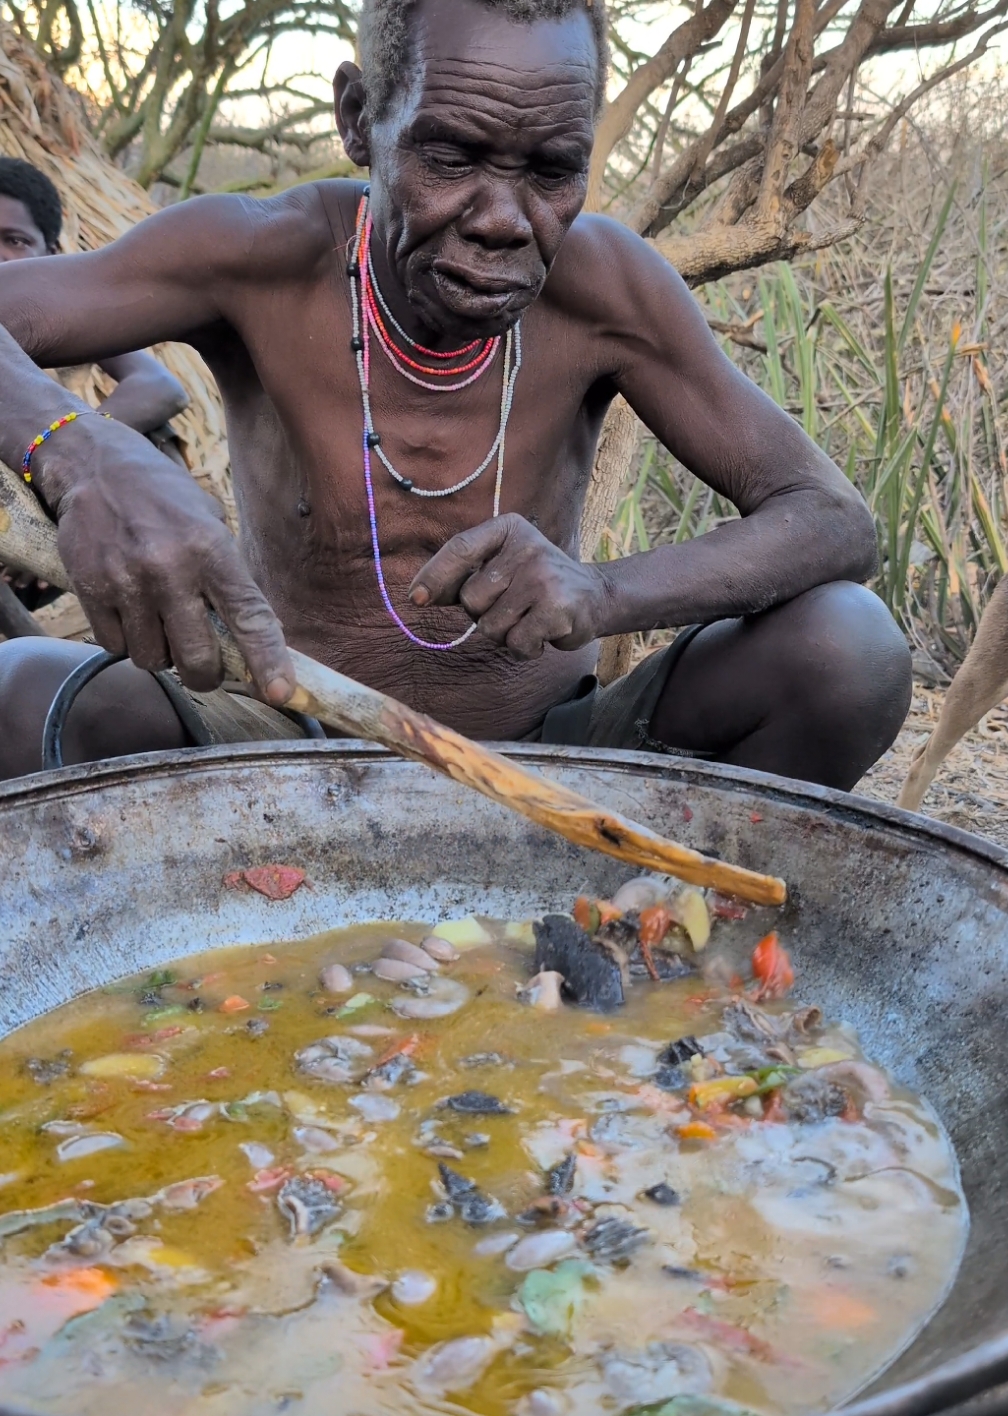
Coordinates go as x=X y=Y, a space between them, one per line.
x=146 y=395
x=801 y=522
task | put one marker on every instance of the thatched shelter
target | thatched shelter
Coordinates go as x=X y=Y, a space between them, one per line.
x=40 y=121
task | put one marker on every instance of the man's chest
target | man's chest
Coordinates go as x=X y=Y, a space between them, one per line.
x=440 y=455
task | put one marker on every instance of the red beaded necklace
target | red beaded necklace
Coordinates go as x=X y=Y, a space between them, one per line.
x=368 y=308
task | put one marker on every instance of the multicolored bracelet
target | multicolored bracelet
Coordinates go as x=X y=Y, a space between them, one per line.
x=44 y=436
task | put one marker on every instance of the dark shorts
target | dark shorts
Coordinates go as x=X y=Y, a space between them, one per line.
x=618 y=715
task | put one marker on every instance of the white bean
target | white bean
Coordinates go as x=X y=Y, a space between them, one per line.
x=395 y=971
x=408 y=953
x=439 y=949
x=413 y=1287
x=640 y=893
x=336 y=979
x=540 y=1250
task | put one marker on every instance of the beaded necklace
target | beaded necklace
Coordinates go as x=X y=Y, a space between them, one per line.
x=369 y=307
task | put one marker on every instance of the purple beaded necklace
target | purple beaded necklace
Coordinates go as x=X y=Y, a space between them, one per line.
x=368 y=305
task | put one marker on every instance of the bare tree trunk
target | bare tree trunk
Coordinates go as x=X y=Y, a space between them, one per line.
x=616 y=448
x=613 y=461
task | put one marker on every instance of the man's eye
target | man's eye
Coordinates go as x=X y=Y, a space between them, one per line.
x=553 y=177
x=446 y=158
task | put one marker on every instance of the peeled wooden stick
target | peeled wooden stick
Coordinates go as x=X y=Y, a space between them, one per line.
x=28 y=541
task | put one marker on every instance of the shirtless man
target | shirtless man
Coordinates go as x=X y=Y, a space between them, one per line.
x=31 y=220
x=475 y=118
x=146 y=394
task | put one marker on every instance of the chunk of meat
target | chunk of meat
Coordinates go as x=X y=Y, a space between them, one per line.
x=595 y=971
x=477 y=1103
x=814 y=1098
x=612 y=1239
x=465 y=1197
x=307 y=1204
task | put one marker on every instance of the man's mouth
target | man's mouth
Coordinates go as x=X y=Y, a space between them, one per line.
x=478 y=295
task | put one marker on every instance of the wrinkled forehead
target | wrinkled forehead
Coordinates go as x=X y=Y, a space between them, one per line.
x=473 y=63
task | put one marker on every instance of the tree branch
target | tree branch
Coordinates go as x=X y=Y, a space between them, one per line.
x=618 y=116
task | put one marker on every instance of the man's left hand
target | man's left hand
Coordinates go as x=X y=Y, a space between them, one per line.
x=522 y=591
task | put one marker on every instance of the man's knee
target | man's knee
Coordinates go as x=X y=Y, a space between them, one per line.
x=121 y=711
x=850 y=656
x=31 y=671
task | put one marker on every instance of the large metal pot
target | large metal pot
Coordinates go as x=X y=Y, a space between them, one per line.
x=897 y=924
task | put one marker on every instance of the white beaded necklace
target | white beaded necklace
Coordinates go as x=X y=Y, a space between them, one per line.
x=366 y=321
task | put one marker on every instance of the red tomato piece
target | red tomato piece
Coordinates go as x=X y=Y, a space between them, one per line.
x=655 y=923
x=772 y=967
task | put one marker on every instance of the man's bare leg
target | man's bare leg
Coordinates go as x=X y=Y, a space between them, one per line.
x=817 y=688
x=121 y=711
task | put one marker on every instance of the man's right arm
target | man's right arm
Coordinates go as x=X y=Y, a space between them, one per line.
x=143 y=545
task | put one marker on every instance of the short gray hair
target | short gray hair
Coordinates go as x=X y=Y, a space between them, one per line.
x=385 y=39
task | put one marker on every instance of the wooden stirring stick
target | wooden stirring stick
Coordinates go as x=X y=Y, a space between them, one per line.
x=28 y=541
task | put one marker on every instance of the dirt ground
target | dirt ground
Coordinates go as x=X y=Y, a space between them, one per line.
x=971 y=789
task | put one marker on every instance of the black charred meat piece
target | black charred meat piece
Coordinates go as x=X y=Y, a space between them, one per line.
x=667 y=966
x=477 y=1103
x=662 y=1194
x=472 y=1206
x=594 y=970
x=307 y=1204
x=673 y=1060
x=613 y=1239
x=679 y=1052
x=560 y=1179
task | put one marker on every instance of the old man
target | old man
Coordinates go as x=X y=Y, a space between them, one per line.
x=415 y=374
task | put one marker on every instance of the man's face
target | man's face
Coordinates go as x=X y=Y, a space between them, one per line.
x=480 y=165
x=19 y=236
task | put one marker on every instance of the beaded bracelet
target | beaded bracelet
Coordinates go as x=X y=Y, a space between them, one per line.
x=44 y=436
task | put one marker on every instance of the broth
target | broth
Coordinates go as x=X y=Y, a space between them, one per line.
x=393 y=1222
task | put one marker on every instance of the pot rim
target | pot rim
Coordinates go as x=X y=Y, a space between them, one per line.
x=74 y=780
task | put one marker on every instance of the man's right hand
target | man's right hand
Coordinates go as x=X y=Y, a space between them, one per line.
x=148 y=554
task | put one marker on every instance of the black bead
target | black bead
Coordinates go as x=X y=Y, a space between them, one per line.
x=353 y=269
x=367 y=190
x=303 y=508
x=356 y=344
x=373 y=439
x=406 y=484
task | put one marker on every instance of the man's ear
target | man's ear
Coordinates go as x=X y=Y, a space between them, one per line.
x=351 y=118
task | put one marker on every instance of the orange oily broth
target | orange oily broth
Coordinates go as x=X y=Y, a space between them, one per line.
x=799 y=1299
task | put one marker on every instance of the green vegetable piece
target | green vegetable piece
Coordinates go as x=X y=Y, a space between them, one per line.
x=692 y=1406
x=553 y=1298
x=171 y=1012
x=269 y=1005
x=355 y=1004
x=161 y=978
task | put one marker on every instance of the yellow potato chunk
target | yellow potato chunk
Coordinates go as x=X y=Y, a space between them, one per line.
x=465 y=933
x=143 y=1065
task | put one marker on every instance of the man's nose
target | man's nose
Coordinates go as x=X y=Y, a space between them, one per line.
x=496 y=217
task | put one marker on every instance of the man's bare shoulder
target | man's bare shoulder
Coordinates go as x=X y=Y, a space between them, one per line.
x=247 y=239
x=614 y=281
